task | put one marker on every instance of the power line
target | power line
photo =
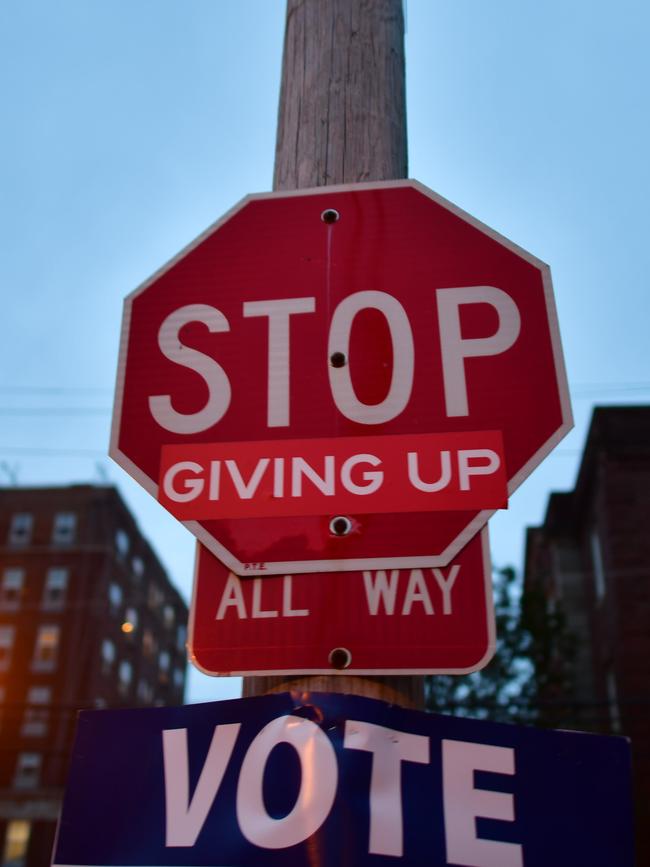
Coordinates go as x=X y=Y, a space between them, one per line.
x=54 y=452
x=54 y=410
x=72 y=452
x=576 y=389
x=55 y=389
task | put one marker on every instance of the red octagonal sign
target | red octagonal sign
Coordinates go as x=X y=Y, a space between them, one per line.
x=340 y=379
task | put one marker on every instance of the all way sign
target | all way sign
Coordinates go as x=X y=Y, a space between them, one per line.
x=339 y=781
x=435 y=620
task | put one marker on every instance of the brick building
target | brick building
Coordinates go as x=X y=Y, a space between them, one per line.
x=88 y=618
x=592 y=557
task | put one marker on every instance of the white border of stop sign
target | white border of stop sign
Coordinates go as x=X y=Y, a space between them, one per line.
x=279 y=313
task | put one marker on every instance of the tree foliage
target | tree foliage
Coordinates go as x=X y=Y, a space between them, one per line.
x=532 y=661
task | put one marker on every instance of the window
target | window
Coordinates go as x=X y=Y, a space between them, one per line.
x=36 y=717
x=28 y=771
x=6 y=646
x=612 y=701
x=163 y=664
x=11 y=589
x=115 y=596
x=46 y=648
x=39 y=695
x=14 y=853
x=181 y=637
x=179 y=678
x=108 y=655
x=155 y=596
x=125 y=675
x=149 y=644
x=56 y=582
x=64 y=528
x=145 y=692
x=168 y=616
x=138 y=567
x=599 y=569
x=20 y=530
x=130 y=620
x=122 y=543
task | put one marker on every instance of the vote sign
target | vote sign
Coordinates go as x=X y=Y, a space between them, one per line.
x=297 y=779
x=438 y=620
x=340 y=379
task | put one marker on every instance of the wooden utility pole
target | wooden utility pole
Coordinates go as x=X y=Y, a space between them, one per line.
x=342 y=116
x=342 y=119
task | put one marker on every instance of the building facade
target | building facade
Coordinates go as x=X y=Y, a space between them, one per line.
x=591 y=557
x=88 y=619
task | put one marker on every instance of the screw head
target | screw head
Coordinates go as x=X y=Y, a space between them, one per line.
x=330 y=215
x=340 y=526
x=340 y=658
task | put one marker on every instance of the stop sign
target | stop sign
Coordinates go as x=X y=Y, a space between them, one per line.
x=340 y=379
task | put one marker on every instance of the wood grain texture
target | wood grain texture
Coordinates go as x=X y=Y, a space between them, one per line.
x=406 y=691
x=342 y=119
x=342 y=114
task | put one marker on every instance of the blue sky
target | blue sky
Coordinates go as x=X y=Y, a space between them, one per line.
x=129 y=127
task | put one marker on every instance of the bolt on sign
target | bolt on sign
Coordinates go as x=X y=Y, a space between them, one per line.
x=436 y=620
x=345 y=378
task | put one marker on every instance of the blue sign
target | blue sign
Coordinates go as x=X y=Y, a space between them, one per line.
x=332 y=780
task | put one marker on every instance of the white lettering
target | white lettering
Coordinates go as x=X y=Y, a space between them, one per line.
x=257 y=611
x=446 y=585
x=287 y=610
x=278 y=312
x=278 y=477
x=318 y=780
x=455 y=349
x=465 y=470
x=232 y=596
x=373 y=480
x=214 y=376
x=463 y=804
x=215 y=480
x=300 y=468
x=184 y=818
x=380 y=589
x=389 y=749
x=430 y=487
x=246 y=490
x=401 y=384
x=417 y=591
x=193 y=487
